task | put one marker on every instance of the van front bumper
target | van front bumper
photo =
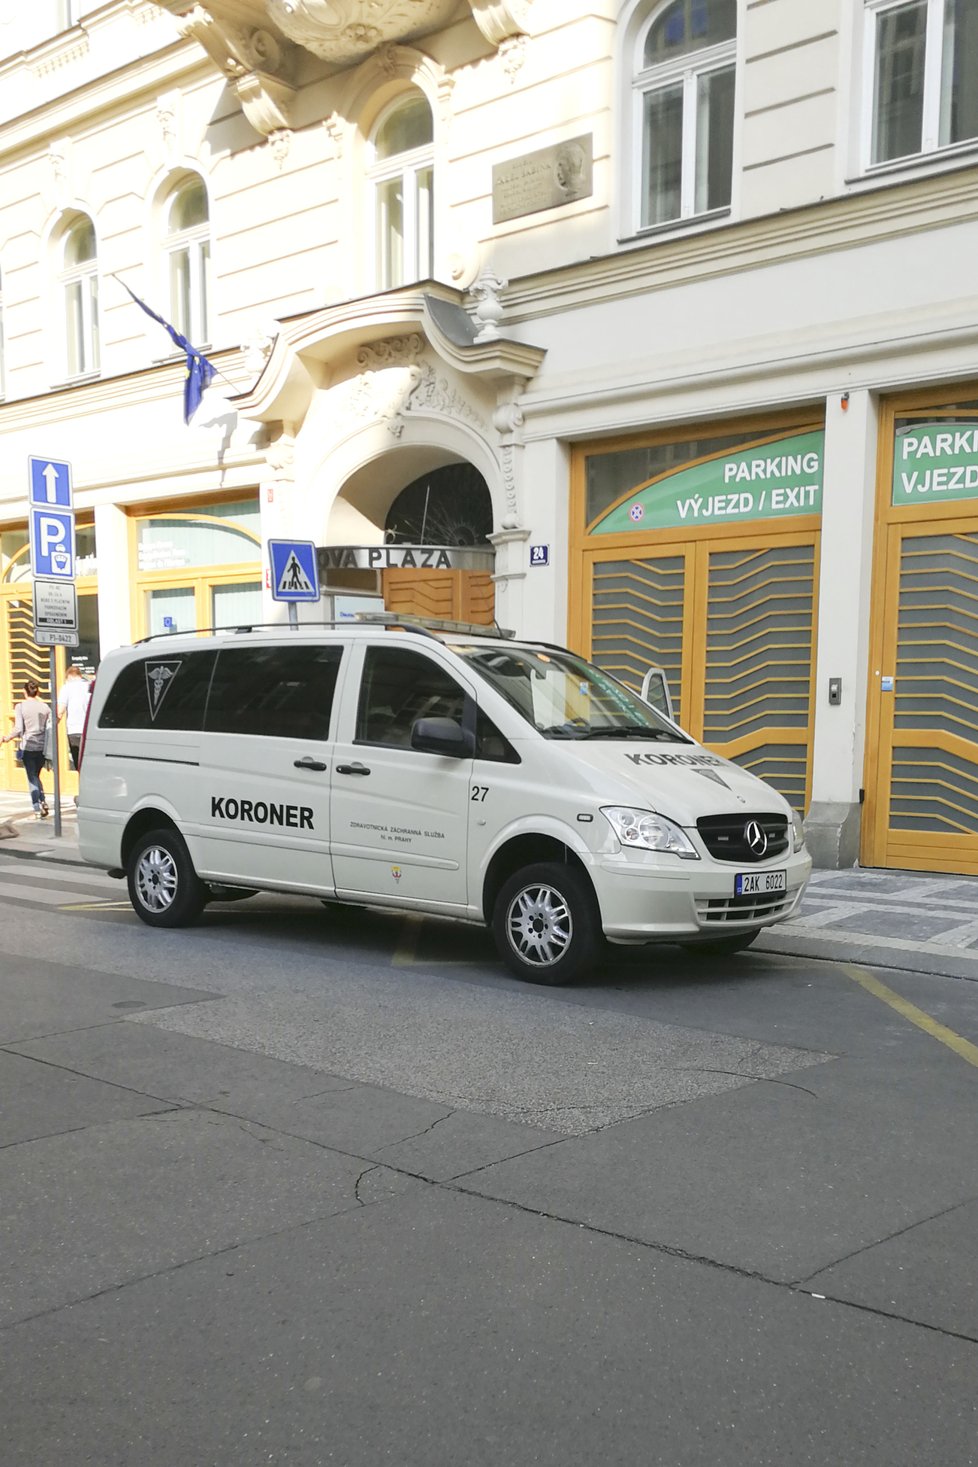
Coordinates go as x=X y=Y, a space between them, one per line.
x=649 y=901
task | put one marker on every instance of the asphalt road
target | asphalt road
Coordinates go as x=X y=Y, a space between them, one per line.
x=306 y=1186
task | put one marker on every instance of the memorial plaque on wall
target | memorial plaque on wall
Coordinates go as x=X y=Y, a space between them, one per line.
x=542 y=180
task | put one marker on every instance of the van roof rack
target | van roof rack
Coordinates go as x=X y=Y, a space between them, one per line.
x=426 y=626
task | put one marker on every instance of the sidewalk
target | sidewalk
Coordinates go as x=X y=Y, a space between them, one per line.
x=912 y=920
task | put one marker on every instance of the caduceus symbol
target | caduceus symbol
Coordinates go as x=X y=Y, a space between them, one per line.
x=159 y=677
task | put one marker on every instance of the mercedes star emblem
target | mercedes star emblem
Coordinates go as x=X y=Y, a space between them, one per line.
x=755 y=837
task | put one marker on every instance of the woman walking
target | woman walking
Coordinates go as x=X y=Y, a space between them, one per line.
x=30 y=722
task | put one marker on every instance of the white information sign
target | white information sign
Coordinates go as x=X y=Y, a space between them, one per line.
x=55 y=614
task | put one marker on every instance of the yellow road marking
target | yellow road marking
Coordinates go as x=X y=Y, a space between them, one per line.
x=95 y=906
x=910 y=1011
x=406 y=951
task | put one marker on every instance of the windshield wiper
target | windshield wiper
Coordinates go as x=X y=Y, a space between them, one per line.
x=634 y=731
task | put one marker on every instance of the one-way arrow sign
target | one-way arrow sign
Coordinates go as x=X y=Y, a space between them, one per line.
x=50 y=482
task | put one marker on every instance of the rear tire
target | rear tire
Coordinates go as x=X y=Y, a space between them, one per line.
x=718 y=946
x=546 y=924
x=164 y=888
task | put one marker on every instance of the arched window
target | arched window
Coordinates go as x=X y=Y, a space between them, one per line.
x=402 y=185
x=188 y=248
x=79 y=280
x=683 y=103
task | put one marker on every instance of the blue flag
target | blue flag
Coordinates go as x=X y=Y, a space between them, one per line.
x=200 y=372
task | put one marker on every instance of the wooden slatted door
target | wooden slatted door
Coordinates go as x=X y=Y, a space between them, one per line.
x=732 y=622
x=922 y=804
x=445 y=595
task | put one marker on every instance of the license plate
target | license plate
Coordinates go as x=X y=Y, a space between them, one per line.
x=759 y=883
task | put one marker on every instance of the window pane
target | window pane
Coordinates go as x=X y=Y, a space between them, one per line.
x=898 y=106
x=689 y=25
x=426 y=222
x=174 y=542
x=390 y=232
x=189 y=206
x=74 y=328
x=203 y=262
x=408 y=127
x=80 y=244
x=171 y=611
x=273 y=692
x=714 y=139
x=398 y=688
x=160 y=692
x=236 y=606
x=662 y=155
x=180 y=290
x=92 y=352
x=959 y=73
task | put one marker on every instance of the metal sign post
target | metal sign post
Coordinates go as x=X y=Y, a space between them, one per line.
x=52 y=541
x=55 y=763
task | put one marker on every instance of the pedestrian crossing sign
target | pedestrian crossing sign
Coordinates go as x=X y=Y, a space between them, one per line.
x=295 y=574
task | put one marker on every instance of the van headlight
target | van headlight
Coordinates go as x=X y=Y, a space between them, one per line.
x=799 y=824
x=647 y=832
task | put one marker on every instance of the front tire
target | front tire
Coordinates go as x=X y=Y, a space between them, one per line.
x=164 y=888
x=546 y=925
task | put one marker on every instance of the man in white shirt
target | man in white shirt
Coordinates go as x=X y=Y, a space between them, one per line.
x=72 y=707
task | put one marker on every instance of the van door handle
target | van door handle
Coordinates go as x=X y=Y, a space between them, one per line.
x=352 y=769
x=314 y=764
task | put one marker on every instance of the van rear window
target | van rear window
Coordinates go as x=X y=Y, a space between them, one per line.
x=261 y=692
x=161 y=692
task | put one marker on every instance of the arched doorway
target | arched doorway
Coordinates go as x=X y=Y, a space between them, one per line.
x=421 y=550
x=449 y=508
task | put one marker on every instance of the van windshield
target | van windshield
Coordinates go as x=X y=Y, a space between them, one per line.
x=565 y=697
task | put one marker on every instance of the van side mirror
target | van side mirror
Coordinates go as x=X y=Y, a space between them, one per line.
x=655 y=691
x=441 y=736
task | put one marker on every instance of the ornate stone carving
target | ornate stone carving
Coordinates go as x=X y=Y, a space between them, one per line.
x=500 y=19
x=433 y=394
x=279 y=143
x=393 y=351
x=489 y=311
x=257 y=348
x=512 y=54
x=347 y=30
x=259 y=64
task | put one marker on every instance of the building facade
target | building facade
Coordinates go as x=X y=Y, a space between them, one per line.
x=644 y=325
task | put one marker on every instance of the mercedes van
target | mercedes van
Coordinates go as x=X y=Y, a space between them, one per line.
x=457 y=772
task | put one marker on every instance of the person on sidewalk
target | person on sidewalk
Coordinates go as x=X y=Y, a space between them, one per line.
x=30 y=722
x=72 y=707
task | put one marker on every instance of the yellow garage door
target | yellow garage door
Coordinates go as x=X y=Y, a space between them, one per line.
x=732 y=622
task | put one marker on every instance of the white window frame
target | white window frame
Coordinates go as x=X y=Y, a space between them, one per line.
x=933 y=76
x=195 y=243
x=686 y=71
x=85 y=278
x=407 y=166
x=3 y=354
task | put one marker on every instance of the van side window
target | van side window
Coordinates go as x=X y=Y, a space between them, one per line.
x=491 y=744
x=161 y=692
x=273 y=692
x=400 y=686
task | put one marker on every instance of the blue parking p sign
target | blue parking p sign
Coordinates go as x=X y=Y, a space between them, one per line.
x=53 y=544
x=295 y=572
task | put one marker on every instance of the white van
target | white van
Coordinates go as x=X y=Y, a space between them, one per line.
x=451 y=772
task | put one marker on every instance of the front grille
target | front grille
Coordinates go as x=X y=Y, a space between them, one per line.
x=726 y=837
x=744 y=909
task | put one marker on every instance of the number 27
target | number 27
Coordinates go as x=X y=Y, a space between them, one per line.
x=479 y=791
